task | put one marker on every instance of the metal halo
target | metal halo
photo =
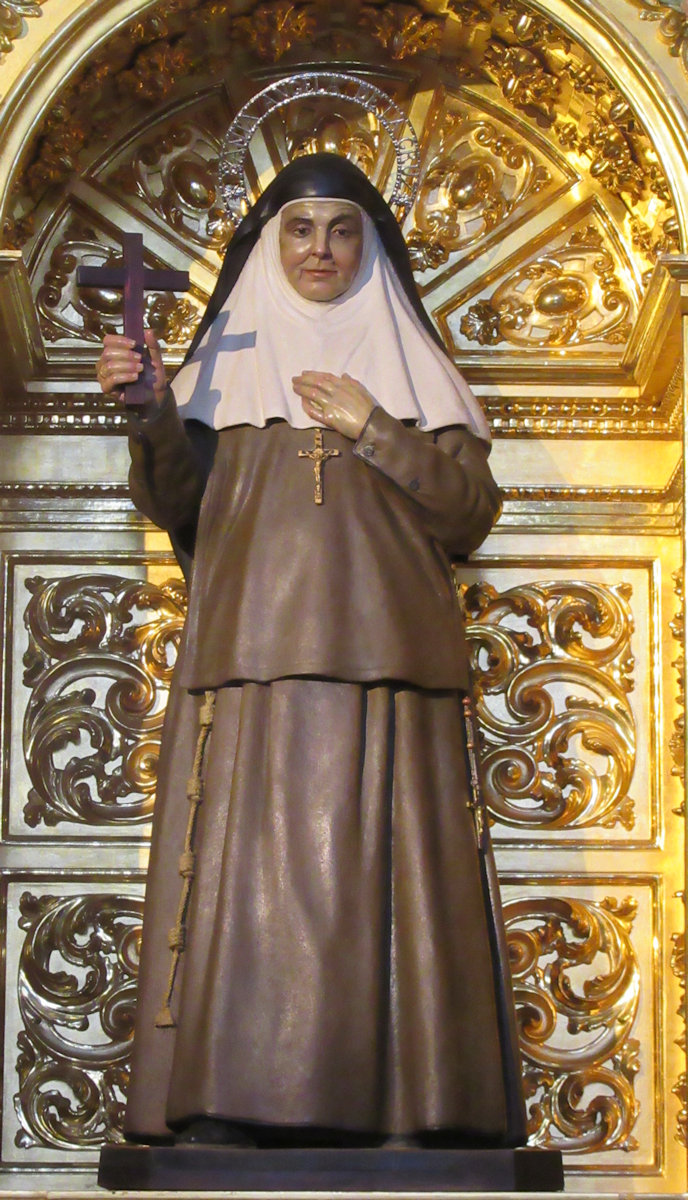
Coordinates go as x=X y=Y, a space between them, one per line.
x=231 y=173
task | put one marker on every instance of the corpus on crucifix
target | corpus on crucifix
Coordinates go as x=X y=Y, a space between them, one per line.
x=134 y=278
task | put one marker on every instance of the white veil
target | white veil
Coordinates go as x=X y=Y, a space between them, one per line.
x=266 y=333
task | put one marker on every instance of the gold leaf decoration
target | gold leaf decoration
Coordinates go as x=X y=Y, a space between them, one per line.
x=677 y=741
x=12 y=14
x=680 y=1088
x=566 y=297
x=77 y=997
x=478 y=179
x=576 y=986
x=672 y=26
x=68 y=311
x=402 y=30
x=524 y=78
x=551 y=666
x=174 y=176
x=272 y=29
x=99 y=663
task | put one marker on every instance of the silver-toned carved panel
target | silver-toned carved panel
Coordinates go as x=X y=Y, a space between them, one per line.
x=552 y=669
x=99 y=662
x=76 y=995
x=577 y=987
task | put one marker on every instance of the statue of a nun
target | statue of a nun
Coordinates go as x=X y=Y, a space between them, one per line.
x=323 y=957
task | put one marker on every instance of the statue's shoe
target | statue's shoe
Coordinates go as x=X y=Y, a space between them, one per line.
x=212 y=1131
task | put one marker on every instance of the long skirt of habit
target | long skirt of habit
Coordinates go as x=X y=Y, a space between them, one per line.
x=344 y=964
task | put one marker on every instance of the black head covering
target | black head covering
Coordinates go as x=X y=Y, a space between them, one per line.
x=321 y=175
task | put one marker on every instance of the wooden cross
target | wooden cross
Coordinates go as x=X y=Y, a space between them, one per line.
x=134 y=279
x=319 y=455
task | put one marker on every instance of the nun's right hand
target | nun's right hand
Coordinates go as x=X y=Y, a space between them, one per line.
x=121 y=363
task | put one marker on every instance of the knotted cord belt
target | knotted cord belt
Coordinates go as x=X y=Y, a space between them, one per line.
x=187 y=862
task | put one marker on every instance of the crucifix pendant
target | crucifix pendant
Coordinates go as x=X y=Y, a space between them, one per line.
x=318 y=455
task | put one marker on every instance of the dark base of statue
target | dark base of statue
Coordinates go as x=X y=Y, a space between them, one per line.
x=229 y=1168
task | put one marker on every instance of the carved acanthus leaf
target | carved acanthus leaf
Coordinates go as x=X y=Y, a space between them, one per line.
x=568 y=297
x=272 y=29
x=12 y=14
x=99 y=662
x=77 y=995
x=576 y=986
x=551 y=666
x=402 y=30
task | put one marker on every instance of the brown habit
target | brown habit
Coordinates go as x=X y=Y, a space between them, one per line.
x=343 y=968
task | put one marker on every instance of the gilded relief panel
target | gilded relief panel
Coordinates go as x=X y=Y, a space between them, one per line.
x=72 y=957
x=588 y=986
x=92 y=655
x=565 y=697
x=578 y=694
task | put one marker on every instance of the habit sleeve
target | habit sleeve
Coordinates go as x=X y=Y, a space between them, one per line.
x=444 y=474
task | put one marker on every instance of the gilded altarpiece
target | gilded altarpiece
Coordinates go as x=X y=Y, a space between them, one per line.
x=547 y=239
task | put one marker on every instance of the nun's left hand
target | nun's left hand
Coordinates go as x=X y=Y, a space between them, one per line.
x=336 y=401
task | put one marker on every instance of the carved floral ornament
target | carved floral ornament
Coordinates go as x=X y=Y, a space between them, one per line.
x=537 y=71
x=77 y=998
x=12 y=15
x=569 y=297
x=552 y=669
x=99 y=663
x=576 y=987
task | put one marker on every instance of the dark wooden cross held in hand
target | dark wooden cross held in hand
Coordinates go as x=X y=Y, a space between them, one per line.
x=134 y=279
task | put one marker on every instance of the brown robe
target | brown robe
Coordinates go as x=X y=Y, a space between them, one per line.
x=343 y=966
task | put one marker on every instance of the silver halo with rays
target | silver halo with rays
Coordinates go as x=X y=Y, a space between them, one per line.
x=231 y=170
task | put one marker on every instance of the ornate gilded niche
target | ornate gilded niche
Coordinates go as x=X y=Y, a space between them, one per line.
x=541 y=217
x=539 y=234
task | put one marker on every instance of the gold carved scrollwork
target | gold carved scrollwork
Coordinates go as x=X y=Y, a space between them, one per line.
x=77 y=995
x=672 y=26
x=320 y=129
x=12 y=13
x=677 y=741
x=402 y=30
x=480 y=177
x=524 y=78
x=68 y=311
x=174 y=175
x=551 y=666
x=576 y=986
x=272 y=29
x=99 y=663
x=680 y=1088
x=570 y=297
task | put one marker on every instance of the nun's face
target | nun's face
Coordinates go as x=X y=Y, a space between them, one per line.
x=321 y=242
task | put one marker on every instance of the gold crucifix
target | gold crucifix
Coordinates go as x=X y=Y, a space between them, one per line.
x=318 y=454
